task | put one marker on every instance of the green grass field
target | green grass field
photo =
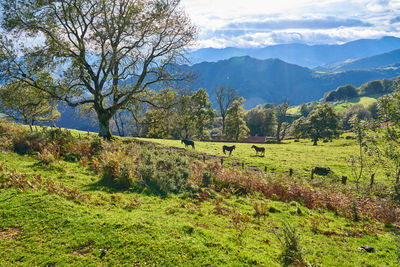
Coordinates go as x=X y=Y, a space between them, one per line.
x=365 y=101
x=43 y=227
x=301 y=156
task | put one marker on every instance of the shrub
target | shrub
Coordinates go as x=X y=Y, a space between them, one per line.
x=117 y=168
x=46 y=158
x=162 y=172
x=289 y=239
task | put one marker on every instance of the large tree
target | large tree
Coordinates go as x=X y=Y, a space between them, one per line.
x=26 y=104
x=236 y=127
x=322 y=122
x=202 y=113
x=225 y=96
x=261 y=122
x=103 y=53
x=280 y=114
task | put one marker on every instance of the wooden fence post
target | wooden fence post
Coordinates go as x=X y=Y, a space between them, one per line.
x=344 y=179
x=372 y=180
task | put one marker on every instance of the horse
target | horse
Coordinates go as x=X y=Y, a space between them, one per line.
x=187 y=143
x=228 y=148
x=259 y=149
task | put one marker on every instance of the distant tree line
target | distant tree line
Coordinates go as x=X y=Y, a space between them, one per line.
x=188 y=114
x=348 y=91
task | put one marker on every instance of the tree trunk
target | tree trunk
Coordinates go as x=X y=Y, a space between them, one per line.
x=104 y=125
x=117 y=124
x=122 y=124
x=315 y=142
x=278 y=132
x=223 y=126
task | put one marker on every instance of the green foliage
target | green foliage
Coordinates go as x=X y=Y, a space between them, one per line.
x=163 y=172
x=73 y=30
x=27 y=104
x=357 y=110
x=379 y=86
x=225 y=96
x=202 y=113
x=341 y=93
x=389 y=114
x=118 y=168
x=236 y=128
x=260 y=122
x=72 y=218
x=160 y=117
x=289 y=239
x=186 y=116
x=280 y=115
x=321 y=123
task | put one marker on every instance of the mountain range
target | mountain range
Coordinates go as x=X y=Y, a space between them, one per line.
x=310 y=56
x=378 y=61
x=265 y=75
x=273 y=80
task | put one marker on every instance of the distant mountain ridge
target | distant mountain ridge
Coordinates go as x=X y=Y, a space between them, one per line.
x=378 y=61
x=310 y=56
x=273 y=80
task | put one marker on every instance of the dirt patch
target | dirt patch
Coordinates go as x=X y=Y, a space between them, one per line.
x=10 y=233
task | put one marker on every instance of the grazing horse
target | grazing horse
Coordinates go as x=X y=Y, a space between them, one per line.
x=259 y=149
x=228 y=148
x=187 y=143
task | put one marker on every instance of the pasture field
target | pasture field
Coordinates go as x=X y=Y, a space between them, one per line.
x=63 y=204
x=301 y=156
x=48 y=226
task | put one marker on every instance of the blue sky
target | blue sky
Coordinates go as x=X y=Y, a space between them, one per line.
x=258 y=23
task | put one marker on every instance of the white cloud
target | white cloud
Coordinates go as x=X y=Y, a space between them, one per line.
x=286 y=21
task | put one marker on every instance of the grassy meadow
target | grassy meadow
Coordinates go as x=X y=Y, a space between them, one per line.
x=39 y=228
x=64 y=205
x=301 y=156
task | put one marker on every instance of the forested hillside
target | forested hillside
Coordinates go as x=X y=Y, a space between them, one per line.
x=274 y=80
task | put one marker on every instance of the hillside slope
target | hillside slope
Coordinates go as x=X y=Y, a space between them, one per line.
x=274 y=80
x=377 y=61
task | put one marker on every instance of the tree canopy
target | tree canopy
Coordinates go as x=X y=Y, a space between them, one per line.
x=26 y=104
x=322 y=122
x=236 y=127
x=103 y=53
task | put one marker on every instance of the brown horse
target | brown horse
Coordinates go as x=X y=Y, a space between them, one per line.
x=259 y=149
x=228 y=148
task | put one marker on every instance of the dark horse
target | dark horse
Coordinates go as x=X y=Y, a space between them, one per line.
x=228 y=148
x=187 y=143
x=259 y=149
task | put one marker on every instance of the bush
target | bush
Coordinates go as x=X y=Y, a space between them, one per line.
x=358 y=110
x=164 y=173
x=291 y=249
x=118 y=169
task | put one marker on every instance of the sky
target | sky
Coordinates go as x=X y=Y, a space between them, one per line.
x=259 y=23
